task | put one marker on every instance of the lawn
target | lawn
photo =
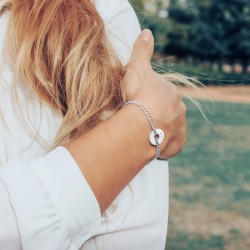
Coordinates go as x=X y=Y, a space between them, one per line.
x=210 y=181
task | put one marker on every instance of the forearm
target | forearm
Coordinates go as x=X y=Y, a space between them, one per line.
x=112 y=154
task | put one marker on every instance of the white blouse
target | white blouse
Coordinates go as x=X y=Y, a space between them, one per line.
x=45 y=201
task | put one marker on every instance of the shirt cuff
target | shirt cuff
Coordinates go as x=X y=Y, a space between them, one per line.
x=74 y=199
x=52 y=201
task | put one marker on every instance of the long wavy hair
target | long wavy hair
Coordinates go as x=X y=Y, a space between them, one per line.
x=61 y=52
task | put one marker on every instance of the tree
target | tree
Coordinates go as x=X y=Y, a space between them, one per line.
x=238 y=34
x=180 y=23
x=210 y=29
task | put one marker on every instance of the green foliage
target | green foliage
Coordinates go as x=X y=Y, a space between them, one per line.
x=211 y=30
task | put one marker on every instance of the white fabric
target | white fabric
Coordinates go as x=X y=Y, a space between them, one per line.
x=45 y=201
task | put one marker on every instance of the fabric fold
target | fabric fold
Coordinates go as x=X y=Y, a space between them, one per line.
x=55 y=207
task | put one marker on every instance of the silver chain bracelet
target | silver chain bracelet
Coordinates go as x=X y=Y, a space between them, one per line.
x=156 y=136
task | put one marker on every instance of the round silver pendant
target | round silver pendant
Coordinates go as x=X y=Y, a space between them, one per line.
x=153 y=137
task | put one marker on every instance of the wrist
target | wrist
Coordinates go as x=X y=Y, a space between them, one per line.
x=155 y=107
x=156 y=135
x=138 y=129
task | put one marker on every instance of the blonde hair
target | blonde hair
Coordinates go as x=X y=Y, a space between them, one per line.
x=61 y=51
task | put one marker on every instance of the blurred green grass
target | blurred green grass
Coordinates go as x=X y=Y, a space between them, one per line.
x=210 y=181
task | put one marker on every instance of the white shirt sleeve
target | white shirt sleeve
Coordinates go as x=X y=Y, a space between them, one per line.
x=53 y=204
x=121 y=25
x=9 y=235
x=46 y=203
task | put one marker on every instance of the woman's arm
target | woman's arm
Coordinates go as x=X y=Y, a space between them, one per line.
x=115 y=151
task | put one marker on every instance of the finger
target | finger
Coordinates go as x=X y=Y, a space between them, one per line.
x=175 y=146
x=139 y=63
x=176 y=136
x=142 y=51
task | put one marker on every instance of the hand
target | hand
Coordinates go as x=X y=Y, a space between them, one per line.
x=161 y=97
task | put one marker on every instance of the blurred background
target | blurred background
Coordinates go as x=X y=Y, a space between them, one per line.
x=210 y=180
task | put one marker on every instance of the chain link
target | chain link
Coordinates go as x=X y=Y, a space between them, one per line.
x=152 y=122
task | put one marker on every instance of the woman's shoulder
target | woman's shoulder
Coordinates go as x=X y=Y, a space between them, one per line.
x=121 y=23
x=112 y=8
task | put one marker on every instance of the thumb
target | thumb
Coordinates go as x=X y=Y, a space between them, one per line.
x=139 y=64
x=143 y=50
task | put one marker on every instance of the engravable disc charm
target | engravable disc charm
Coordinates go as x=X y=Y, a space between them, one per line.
x=159 y=135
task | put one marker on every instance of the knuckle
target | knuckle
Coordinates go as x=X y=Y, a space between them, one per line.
x=146 y=45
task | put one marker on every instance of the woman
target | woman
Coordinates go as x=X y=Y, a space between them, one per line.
x=69 y=148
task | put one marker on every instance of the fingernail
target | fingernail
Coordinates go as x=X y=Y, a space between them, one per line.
x=146 y=35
